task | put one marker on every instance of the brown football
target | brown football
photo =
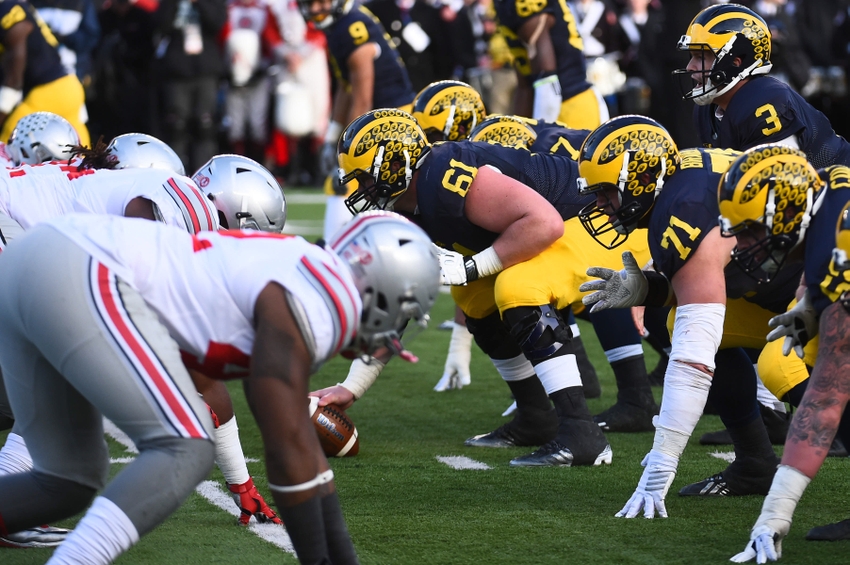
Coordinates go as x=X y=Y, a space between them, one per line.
x=336 y=431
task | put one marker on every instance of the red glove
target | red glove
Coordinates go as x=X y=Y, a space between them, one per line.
x=251 y=503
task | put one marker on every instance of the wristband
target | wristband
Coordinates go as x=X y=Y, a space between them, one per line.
x=659 y=291
x=332 y=133
x=9 y=98
x=320 y=479
x=482 y=264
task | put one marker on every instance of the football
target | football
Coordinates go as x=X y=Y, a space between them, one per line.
x=337 y=433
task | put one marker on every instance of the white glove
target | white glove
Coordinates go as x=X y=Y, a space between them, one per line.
x=328 y=160
x=798 y=325
x=774 y=522
x=452 y=268
x=456 y=372
x=616 y=289
x=658 y=474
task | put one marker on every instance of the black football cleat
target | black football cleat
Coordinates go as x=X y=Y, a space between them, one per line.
x=714 y=485
x=528 y=428
x=742 y=478
x=555 y=454
x=624 y=417
x=39 y=537
x=831 y=532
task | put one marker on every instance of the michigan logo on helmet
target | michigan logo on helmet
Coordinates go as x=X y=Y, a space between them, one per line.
x=245 y=194
x=510 y=131
x=379 y=150
x=448 y=110
x=395 y=268
x=625 y=161
x=322 y=17
x=41 y=137
x=717 y=37
x=766 y=198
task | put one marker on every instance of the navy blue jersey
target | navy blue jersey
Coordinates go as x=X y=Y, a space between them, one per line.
x=43 y=63
x=824 y=282
x=766 y=110
x=557 y=138
x=445 y=175
x=392 y=87
x=568 y=45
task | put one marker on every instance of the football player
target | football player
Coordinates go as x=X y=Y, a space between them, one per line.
x=502 y=240
x=549 y=62
x=33 y=76
x=641 y=180
x=369 y=74
x=617 y=334
x=81 y=289
x=778 y=208
x=738 y=105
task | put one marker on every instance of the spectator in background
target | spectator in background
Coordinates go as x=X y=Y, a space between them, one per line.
x=33 y=78
x=605 y=42
x=252 y=41
x=294 y=149
x=791 y=64
x=75 y=25
x=642 y=22
x=122 y=73
x=189 y=64
x=421 y=36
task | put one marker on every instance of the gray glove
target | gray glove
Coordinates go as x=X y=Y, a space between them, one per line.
x=616 y=289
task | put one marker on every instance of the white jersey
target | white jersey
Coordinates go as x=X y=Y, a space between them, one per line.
x=33 y=194
x=5 y=160
x=204 y=287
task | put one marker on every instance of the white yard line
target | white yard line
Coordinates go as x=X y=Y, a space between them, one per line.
x=461 y=462
x=272 y=533
x=304 y=227
x=306 y=198
x=728 y=456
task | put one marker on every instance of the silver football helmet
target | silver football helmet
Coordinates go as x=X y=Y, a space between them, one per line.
x=143 y=151
x=396 y=270
x=246 y=194
x=41 y=137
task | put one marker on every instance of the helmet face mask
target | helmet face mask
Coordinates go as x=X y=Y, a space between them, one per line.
x=767 y=198
x=624 y=162
x=41 y=137
x=380 y=150
x=396 y=271
x=448 y=110
x=730 y=43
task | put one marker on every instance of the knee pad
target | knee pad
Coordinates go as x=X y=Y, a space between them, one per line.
x=540 y=331
x=492 y=336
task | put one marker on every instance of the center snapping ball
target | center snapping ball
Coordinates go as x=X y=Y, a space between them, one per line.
x=336 y=431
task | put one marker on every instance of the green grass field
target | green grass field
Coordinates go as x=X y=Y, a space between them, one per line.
x=404 y=506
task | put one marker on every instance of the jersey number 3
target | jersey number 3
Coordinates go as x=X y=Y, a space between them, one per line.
x=772 y=119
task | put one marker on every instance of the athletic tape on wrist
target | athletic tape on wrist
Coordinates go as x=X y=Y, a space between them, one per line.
x=361 y=376
x=321 y=479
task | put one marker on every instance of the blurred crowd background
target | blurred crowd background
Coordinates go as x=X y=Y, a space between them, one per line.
x=133 y=58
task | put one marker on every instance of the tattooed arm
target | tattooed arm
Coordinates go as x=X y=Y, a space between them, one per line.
x=816 y=420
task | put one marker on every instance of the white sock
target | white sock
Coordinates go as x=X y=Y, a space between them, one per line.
x=14 y=456
x=514 y=369
x=104 y=533
x=228 y=453
x=623 y=352
x=558 y=373
x=768 y=398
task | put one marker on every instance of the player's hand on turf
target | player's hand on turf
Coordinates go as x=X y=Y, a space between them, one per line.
x=798 y=325
x=765 y=545
x=251 y=503
x=456 y=371
x=658 y=474
x=452 y=268
x=615 y=289
x=336 y=394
